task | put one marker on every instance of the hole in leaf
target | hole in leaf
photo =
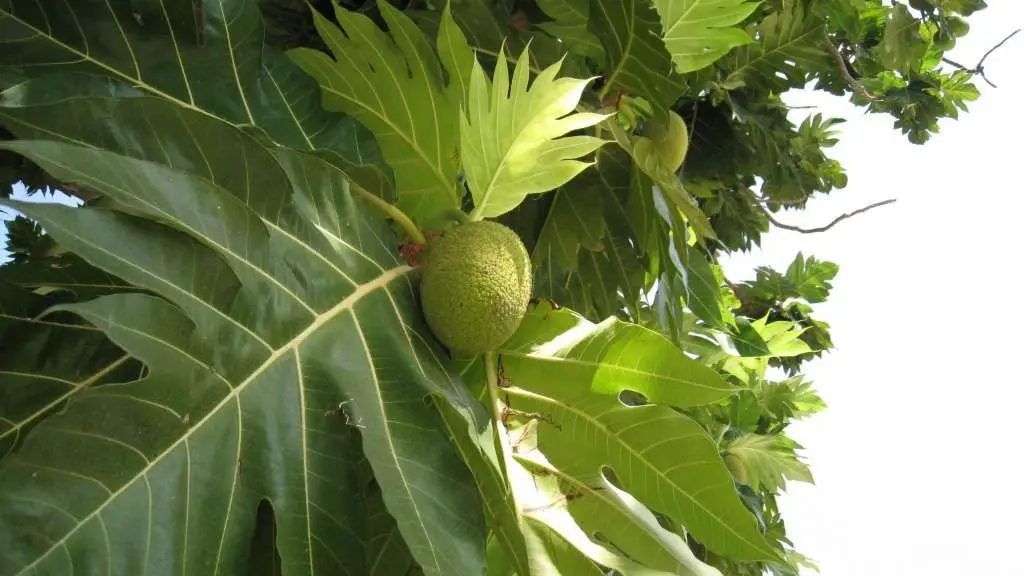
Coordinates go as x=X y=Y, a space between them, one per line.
x=632 y=398
x=609 y=475
x=263 y=556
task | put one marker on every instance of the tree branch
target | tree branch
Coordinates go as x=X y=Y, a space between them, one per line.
x=845 y=70
x=828 y=226
x=979 y=68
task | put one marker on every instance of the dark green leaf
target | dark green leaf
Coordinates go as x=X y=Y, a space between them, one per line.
x=269 y=294
x=637 y=60
x=903 y=47
x=569 y=23
x=221 y=68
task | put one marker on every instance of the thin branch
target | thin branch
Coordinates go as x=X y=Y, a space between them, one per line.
x=826 y=227
x=979 y=68
x=845 y=70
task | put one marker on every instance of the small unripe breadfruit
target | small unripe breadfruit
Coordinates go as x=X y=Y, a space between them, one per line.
x=475 y=286
x=671 y=139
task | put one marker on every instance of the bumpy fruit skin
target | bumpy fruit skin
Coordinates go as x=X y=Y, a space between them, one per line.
x=475 y=286
x=672 y=139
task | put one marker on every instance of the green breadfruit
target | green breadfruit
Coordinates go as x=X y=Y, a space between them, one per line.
x=475 y=287
x=671 y=139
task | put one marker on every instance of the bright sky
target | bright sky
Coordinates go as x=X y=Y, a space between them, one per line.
x=916 y=458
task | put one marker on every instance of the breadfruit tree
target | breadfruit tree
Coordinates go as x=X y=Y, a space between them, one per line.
x=422 y=287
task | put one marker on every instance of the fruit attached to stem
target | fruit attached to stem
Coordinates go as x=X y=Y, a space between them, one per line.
x=671 y=139
x=476 y=286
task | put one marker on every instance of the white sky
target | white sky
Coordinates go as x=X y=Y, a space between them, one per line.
x=915 y=459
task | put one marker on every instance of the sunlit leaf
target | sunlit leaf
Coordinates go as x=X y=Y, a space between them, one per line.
x=658 y=455
x=608 y=358
x=513 y=135
x=698 y=32
x=625 y=525
x=394 y=85
x=766 y=462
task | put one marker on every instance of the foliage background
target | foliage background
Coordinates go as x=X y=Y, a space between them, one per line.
x=914 y=450
x=889 y=250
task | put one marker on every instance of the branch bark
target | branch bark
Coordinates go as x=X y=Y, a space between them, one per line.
x=845 y=70
x=828 y=226
x=979 y=68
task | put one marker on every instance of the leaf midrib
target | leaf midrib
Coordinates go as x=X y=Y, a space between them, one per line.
x=597 y=365
x=319 y=321
x=778 y=49
x=135 y=81
x=657 y=470
x=434 y=168
x=73 y=388
x=601 y=495
x=627 y=49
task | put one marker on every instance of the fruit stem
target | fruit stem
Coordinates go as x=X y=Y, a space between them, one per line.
x=458 y=216
x=501 y=435
x=404 y=221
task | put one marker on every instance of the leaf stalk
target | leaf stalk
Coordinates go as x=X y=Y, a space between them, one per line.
x=400 y=217
x=500 y=433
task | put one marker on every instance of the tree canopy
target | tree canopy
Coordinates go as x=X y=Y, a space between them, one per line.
x=216 y=363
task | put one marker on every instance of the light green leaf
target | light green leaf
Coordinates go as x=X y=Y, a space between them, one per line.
x=624 y=524
x=610 y=357
x=284 y=323
x=570 y=19
x=456 y=57
x=765 y=462
x=661 y=457
x=811 y=278
x=639 y=63
x=393 y=84
x=698 y=32
x=551 y=554
x=513 y=137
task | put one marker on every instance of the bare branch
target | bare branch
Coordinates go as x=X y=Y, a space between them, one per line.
x=979 y=68
x=826 y=227
x=845 y=70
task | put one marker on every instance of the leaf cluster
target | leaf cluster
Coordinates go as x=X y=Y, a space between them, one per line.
x=218 y=363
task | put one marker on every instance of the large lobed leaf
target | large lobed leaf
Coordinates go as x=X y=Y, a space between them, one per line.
x=572 y=378
x=698 y=32
x=637 y=60
x=281 y=345
x=205 y=56
x=569 y=24
x=513 y=135
x=791 y=44
x=394 y=85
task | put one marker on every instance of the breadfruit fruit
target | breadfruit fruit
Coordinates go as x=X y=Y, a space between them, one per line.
x=475 y=286
x=671 y=139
